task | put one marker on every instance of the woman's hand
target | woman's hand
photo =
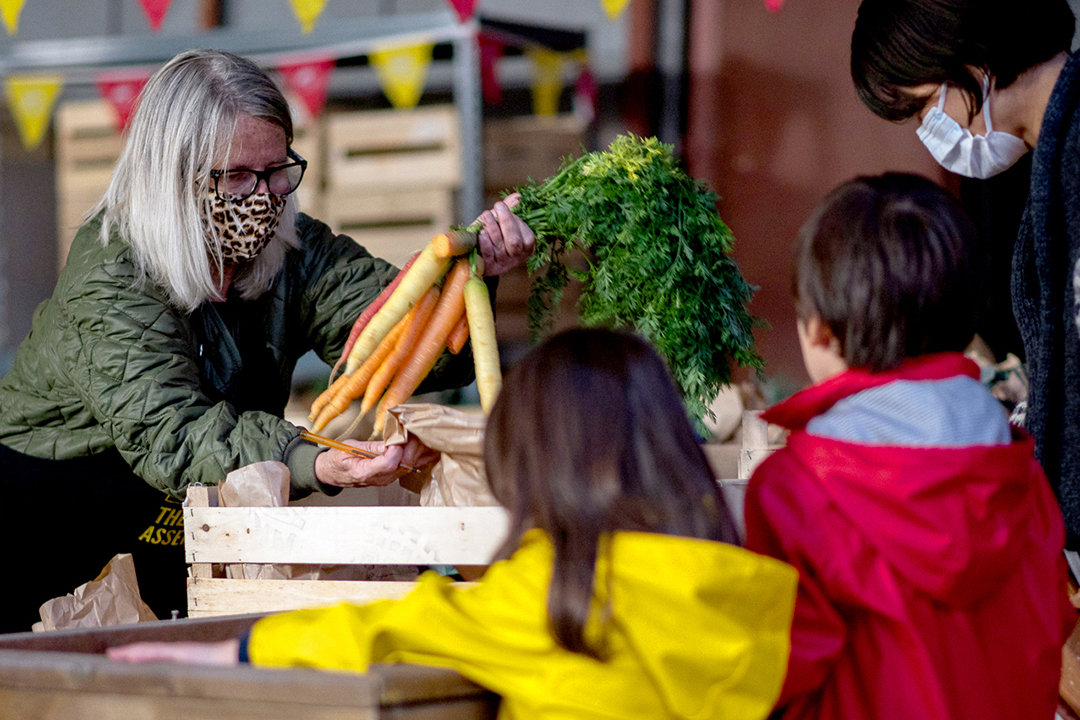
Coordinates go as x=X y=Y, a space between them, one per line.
x=505 y=240
x=340 y=469
x=192 y=653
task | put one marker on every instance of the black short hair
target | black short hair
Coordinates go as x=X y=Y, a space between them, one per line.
x=889 y=265
x=904 y=43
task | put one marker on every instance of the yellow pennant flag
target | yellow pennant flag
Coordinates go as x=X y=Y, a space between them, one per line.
x=307 y=12
x=614 y=8
x=403 y=72
x=31 y=98
x=547 y=80
x=11 y=9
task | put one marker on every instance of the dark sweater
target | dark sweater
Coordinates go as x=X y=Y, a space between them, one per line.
x=1045 y=294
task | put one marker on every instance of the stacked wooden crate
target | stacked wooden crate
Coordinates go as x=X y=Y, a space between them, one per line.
x=392 y=177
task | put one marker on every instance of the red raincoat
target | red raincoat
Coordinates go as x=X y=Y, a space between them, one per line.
x=932 y=582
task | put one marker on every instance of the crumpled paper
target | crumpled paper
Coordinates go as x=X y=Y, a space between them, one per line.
x=458 y=479
x=112 y=598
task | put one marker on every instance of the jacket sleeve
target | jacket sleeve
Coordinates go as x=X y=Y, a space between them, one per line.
x=340 y=279
x=777 y=514
x=135 y=371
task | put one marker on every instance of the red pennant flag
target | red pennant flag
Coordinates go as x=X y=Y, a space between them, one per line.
x=155 y=12
x=774 y=5
x=464 y=8
x=121 y=91
x=585 y=92
x=491 y=51
x=310 y=80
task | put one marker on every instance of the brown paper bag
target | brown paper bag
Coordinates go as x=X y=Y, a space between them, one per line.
x=458 y=478
x=112 y=598
x=262 y=484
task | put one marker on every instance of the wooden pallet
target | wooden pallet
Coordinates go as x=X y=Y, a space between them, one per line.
x=370 y=535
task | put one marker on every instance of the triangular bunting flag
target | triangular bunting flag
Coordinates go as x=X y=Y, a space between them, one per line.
x=31 y=98
x=310 y=80
x=155 y=12
x=491 y=51
x=585 y=93
x=121 y=91
x=403 y=72
x=774 y=5
x=307 y=12
x=11 y=10
x=464 y=8
x=614 y=8
x=547 y=80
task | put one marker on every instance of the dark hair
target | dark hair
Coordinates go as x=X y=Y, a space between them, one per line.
x=889 y=265
x=589 y=436
x=900 y=44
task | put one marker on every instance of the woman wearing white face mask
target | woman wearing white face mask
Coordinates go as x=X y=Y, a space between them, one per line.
x=989 y=80
x=165 y=355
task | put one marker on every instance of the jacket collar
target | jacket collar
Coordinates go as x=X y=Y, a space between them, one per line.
x=797 y=410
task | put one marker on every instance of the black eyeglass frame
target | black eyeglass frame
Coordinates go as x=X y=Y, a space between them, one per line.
x=260 y=175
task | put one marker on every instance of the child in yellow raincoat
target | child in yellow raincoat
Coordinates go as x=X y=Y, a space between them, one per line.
x=624 y=594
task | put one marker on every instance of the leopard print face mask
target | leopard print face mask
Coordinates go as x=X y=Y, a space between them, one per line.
x=245 y=226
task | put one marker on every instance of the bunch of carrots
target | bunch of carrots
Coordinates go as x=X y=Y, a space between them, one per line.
x=438 y=301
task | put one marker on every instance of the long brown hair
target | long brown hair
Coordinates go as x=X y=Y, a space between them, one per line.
x=589 y=436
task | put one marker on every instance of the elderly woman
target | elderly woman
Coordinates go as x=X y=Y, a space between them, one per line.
x=988 y=81
x=164 y=357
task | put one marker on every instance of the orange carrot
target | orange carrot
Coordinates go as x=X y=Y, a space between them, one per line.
x=423 y=274
x=325 y=396
x=421 y=313
x=430 y=345
x=458 y=336
x=369 y=312
x=454 y=243
x=358 y=380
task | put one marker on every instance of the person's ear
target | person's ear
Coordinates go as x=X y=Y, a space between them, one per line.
x=819 y=334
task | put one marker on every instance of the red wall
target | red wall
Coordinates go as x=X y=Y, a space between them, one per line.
x=773 y=125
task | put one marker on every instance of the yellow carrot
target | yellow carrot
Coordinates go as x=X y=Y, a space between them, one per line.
x=357 y=381
x=458 y=336
x=424 y=272
x=430 y=345
x=484 y=344
x=420 y=315
x=452 y=244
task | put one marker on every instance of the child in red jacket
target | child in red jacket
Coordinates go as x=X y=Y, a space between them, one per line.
x=928 y=542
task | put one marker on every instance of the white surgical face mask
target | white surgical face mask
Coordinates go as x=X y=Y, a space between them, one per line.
x=957 y=150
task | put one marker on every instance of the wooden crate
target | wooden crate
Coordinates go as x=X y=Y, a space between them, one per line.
x=519 y=148
x=63 y=676
x=87 y=147
x=392 y=176
x=371 y=535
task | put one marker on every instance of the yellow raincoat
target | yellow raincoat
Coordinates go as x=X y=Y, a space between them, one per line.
x=698 y=629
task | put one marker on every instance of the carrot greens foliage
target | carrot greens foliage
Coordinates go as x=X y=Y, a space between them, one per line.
x=658 y=259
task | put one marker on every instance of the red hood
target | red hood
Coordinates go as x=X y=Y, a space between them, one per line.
x=952 y=520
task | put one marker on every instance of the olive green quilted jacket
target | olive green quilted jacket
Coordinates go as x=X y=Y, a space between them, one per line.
x=184 y=397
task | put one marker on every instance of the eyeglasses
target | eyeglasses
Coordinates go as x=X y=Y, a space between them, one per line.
x=240 y=184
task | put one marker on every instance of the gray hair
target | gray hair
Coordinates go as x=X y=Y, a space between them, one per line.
x=183 y=127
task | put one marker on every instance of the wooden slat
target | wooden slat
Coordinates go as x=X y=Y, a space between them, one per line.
x=216 y=597
x=376 y=149
x=344 y=536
